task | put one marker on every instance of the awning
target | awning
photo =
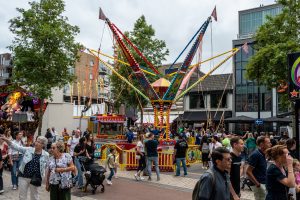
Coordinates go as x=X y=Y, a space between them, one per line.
x=240 y=119
x=278 y=119
x=203 y=115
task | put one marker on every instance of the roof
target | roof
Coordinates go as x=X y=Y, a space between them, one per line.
x=202 y=115
x=212 y=83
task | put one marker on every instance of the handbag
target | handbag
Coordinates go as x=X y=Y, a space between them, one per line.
x=36 y=180
x=64 y=183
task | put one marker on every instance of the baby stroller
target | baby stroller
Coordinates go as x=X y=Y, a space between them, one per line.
x=93 y=173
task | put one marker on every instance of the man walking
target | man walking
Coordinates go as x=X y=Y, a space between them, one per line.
x=214 y=183
x=152 y=156
x=237 y=145
x=179 y=155
x=257 y=168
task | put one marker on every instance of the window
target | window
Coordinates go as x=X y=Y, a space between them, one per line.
x=92 y=63
x=197 y=101
x=216 y=100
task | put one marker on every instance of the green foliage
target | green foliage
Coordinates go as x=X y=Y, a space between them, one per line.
x=143 y=36
x=274 y=40
x=44 y=47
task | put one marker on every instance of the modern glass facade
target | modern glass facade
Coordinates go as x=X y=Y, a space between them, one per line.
x=250 y=20
x=246 y=91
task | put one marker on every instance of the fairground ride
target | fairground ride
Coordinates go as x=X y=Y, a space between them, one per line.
x=162 y=94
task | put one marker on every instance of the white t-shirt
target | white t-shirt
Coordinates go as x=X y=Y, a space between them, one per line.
x=213 y=146
x=72 y=142
x=141 y=146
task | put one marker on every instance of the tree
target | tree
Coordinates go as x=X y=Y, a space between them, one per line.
x=44 y=49
x=143 y=36
x=274 y=40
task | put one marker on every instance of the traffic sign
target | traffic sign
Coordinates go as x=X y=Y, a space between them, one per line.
x=259 y=122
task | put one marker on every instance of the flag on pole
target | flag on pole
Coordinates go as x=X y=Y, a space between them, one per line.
x=214 y=14
x=245 y=48
x=101 y=15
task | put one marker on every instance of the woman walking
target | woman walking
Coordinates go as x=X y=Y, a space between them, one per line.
x=32 y=166
x=59 y=177
x=140 y=154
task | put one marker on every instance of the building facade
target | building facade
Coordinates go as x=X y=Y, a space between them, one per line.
x=208 y=104
x=251 y=99
x=5 y=68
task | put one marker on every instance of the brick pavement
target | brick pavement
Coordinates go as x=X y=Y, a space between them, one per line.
x=167 y=181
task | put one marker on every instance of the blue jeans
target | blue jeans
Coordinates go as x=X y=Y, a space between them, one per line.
x=149 y=163
x=79 y=176
x=15 y=168
x=112 y=172
x=182 y=160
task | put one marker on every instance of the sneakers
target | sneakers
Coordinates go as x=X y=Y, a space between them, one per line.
x=142 y=178
x=108 y=182
x=158 y=178
x=136 y=177
x=14 y=187
x=1 y=191
x=149 y=179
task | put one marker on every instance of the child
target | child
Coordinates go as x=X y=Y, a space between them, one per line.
x=296 y=166
x=111 y=163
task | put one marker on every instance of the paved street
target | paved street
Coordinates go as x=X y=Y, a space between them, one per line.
x=125 y=188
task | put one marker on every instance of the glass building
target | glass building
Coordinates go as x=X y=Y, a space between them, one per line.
x=246 y=96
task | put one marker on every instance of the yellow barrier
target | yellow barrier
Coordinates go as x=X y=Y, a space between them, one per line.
x=193 y=155
x=165 y=161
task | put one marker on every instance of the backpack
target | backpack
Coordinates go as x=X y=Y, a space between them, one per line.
x=196 y=190
x=205 y=148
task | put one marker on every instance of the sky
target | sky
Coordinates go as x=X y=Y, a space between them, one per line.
x=174 y=21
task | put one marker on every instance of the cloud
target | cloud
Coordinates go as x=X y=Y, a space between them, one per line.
x=174 y=21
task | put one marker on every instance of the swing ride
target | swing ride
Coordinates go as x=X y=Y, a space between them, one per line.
x=163 y=93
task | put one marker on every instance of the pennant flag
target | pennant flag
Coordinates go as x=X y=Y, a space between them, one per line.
x=214 y=14
x=245 y=48
x=101 y=15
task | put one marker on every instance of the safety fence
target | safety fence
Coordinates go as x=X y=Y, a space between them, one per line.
x=128 y=160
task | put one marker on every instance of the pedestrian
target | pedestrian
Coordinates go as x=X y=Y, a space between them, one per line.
x=179 y=155
x=129 y=135
x=280 y=173
x=250 y=144
x=15 y=160
x=257 y=168
x=110 y=163
x=237 y=145
x=59 y=177
x=204 y=147
x=152 y=156
x=213 y=145
x=80 y=153
x=72 y=142
x=296 y=166
x=32 y=166
x=49 y=136
x=214 y=184
x=90 y=145
x=140 y=154
x=291 y=146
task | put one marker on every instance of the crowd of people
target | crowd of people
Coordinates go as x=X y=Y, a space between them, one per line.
x=262 y=162
x=266 y=165
x=55 y=157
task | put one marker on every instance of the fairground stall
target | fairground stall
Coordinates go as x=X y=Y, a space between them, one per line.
x=19 y=110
